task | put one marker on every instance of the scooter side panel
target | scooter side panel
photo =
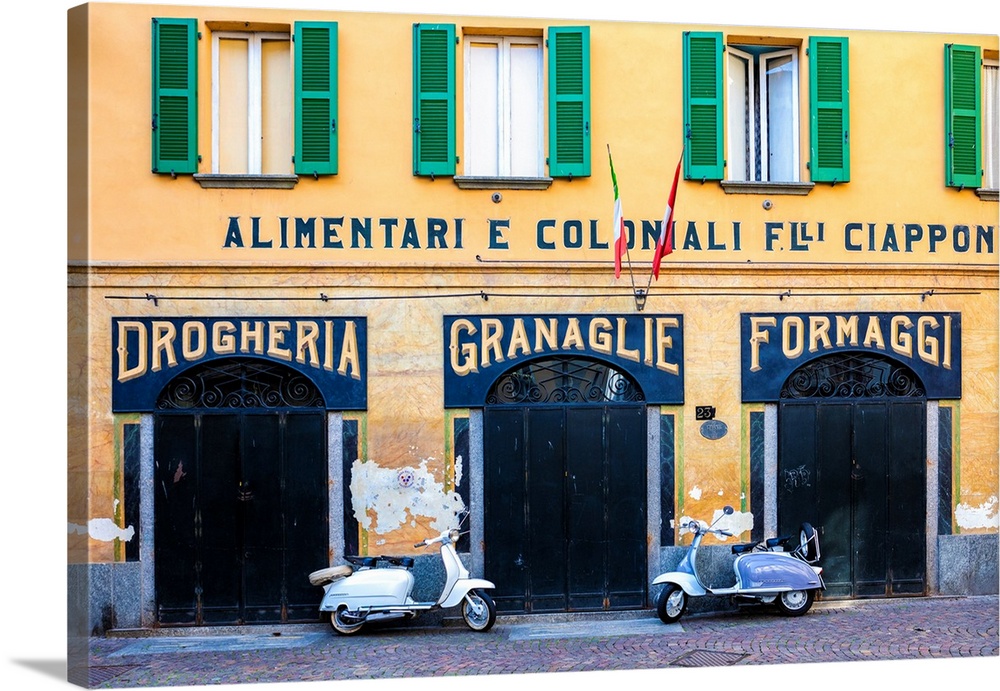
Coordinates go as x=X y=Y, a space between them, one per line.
x=774 y=570
x=369 y=589
x=688 y=583
x=462 y=587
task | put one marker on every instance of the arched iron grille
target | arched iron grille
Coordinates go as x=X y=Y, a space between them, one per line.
x=853 y=375
x=564 y=380
x=240 y=383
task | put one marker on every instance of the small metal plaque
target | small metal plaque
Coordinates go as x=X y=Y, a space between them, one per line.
x=714 y=429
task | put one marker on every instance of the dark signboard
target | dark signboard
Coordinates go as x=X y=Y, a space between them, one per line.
x=479 y=349
x=149 y=352
x=775 y=345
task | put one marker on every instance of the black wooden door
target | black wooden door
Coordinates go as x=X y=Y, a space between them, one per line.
x=241 y=516
x=565 y=507
x=855 y=470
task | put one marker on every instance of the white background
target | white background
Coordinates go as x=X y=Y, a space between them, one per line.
x=32 y=243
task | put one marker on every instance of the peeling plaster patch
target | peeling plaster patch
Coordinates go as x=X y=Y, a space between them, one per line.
x=458 y=471
x=738 y=522
x=983 y=516
x=103 y=529
x=695 y=493
x=376 y=490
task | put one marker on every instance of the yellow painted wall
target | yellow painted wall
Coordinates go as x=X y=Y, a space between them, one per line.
x=142 y=234
x=897 y=125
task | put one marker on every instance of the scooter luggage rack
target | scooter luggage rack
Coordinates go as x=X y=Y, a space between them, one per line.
x=786 y=544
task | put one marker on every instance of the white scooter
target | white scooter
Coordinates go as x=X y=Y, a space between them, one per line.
x=775 y=571
x=374 y=592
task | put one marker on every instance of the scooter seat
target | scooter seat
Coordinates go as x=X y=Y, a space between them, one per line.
x=363 y=562
x=748 y=547
x=405 y=562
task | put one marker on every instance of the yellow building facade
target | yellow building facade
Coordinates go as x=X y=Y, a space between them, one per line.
x=337 y=277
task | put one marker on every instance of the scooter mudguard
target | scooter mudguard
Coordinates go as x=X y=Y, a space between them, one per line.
x=688 y=583
x=462 y=587
x=775 y=570
x=369 y=589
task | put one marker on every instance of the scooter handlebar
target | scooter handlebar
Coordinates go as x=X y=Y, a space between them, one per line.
x=449 y=535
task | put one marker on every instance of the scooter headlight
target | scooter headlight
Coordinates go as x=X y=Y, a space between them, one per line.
x=453 y=534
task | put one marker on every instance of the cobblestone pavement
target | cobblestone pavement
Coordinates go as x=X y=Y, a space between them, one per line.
x=899 y=629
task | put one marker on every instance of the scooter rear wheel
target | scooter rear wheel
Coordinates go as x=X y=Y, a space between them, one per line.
x=479 y=611
x=671 y=604
x=795 y=603
x=343 y=624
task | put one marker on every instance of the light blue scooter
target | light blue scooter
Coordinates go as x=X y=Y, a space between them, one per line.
x=776 y=571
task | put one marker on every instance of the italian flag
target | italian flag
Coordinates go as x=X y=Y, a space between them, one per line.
x=665 y=242
x=621 y=239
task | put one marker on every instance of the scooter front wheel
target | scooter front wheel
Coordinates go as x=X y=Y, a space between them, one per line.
x=345 y=624
x=671 y=604
x=479 y=611
x=795 y=603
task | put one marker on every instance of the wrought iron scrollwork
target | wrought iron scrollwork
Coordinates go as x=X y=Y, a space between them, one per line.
x=239 y=383
x=853 y=375
x=564 y=380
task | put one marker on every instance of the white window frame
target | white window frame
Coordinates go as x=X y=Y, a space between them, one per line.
x=504 y=151
x=254 y=41
x=757 y=115
x=991 y=131
x=740 y=153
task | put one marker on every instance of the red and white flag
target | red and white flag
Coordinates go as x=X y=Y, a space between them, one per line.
x=621 y=237
x=665 y=242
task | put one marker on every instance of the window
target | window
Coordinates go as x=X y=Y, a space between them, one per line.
x=503 y=106
x=756 y=113
x=503 y=115
x=274 y=100
x=251 y=103
x=763 y=114
x=991 y=111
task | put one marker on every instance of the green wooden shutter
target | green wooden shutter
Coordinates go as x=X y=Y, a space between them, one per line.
x=703 y=106
x=175 y=96
x=316 y=98
x=433 y=99
x=569 y=101
x=963 y=133
x=829 y=110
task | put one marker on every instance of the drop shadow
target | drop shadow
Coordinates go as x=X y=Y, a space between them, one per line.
x=49 y=668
